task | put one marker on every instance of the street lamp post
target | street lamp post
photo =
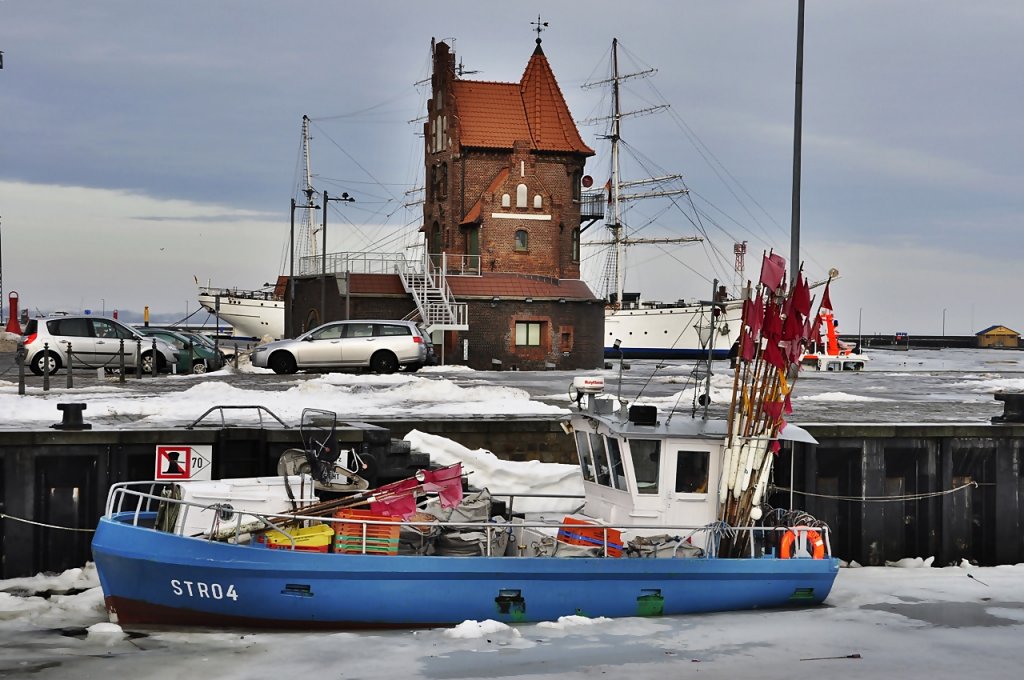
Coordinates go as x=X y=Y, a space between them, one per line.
x=344 y=198
x=290 y=330
x=943 y=322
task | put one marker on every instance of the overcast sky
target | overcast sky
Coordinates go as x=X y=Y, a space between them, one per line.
x=144 y=144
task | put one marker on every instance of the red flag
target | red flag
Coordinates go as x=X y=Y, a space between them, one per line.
x=816 y=330
x=394 y=505
x=773 y=356
x=446 y=483
x=787 y=407
x=772 y=328
x=747 y=347
x=792 y=329
x=774 y=446
x=773 y=409
x=801 y=296
x=773 y=271
x=826 y=301
x=756 y=318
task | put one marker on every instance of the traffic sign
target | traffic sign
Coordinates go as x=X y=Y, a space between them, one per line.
x=182 y=462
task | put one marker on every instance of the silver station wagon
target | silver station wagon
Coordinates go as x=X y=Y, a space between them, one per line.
x=381 y=346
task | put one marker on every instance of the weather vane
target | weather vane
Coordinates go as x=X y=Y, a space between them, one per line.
x=539 y=26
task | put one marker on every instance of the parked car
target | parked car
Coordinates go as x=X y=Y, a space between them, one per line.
x=380 y=345
x=194 y=356
x=95 y=343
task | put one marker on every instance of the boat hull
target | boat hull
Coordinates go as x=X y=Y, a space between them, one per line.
x=253 y=317
x=157 y=578
x=668 y=333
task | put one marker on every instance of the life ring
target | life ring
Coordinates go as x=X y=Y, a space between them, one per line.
x=816 y=545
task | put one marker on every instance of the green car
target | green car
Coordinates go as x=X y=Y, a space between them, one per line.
x=193 y=356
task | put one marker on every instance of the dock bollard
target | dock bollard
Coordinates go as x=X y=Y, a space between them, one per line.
x=72 y=419
x=155 y=365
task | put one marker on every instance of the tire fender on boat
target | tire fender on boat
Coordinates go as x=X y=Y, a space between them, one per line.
x=815 y=546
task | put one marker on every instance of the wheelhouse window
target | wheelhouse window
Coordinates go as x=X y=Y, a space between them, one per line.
x=586 y=460
x=646 y=456
x=692 y=471
x=522 y=241
x=528 y=333
x=618 y=474
x=604 y=473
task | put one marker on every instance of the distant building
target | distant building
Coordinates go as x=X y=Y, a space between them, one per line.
x=499 y=285
x=998 y=336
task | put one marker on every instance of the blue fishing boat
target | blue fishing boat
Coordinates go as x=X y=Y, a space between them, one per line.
x=673 y=520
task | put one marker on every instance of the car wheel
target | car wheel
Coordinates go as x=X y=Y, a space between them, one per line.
x=199 y=366
x=40 y=362
x=147 y=363
x=281 y=363
x=384 y=362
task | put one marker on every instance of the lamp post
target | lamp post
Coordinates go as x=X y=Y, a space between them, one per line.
x=290 y=331
x=860 y=338
x=344 y=198
x=943 y=322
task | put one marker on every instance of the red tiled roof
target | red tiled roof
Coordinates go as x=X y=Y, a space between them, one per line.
x=496 y=115
x=474 y=213
x=510 y=286
x=518 y=286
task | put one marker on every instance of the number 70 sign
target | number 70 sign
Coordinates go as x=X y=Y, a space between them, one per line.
x=183 y=462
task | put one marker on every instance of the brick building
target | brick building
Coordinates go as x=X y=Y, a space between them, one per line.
x=500 y=283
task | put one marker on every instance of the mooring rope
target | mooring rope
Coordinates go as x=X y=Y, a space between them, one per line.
x=4 y=515
x=879 y=499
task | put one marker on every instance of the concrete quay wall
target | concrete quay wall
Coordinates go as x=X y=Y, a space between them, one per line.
x=61 y=478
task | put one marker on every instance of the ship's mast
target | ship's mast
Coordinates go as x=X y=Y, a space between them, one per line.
x=616 y=266
x=616 y=225
x=307 y=241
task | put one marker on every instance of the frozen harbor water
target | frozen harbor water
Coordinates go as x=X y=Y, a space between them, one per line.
x=907 y=620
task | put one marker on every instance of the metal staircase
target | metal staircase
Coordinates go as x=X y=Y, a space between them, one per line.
x=435 y=305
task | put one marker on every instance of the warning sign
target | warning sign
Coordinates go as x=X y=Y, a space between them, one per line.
x=183 y=462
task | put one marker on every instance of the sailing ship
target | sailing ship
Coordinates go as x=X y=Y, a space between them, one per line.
x=654 y=330
x=673 y=521
x=259 y=313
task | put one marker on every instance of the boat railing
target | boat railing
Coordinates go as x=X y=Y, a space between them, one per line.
x=235 y=525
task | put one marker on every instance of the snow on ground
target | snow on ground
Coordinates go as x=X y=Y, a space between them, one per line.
x=914 y=622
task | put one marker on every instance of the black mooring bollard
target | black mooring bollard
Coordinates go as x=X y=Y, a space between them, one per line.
x=72 y=418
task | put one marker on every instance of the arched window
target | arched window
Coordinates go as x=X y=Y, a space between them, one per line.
x=506 y=201
x=442 y=183
x=522 y=240
x=521 y=196
x=537 y=202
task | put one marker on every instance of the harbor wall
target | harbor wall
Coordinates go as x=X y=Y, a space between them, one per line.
x=60 y=479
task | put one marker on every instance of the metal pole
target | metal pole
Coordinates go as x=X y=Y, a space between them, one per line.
x=943 y=322
x=860 y=338
x=71 y=379
x=291 y=276
x=323 y=272
x=794 y=230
